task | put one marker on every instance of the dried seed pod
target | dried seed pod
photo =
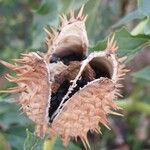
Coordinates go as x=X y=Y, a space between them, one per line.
x=71 y=39
x=32 y=78
x=69 y=94
x=82 y=110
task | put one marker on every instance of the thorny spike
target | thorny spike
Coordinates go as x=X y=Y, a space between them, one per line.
x=19 y=61
x=26 y=55
x=61 y=18
x=112 y=40
x=98 y=130
x=122 y=59
x=21 y=113
x=72 y=16
x=80 y=12
x=10 y=66
x=64 y=18
x=111 y=44
x=119 y=85
x=48 y=32
x=54 y=31
x=13 y=90
x=105 y=123
x=126 y=70
x=119 y=78
x=115 y=113
x=122 y=66
x=118 y=94
x=21 y=108
x=16 y=80
x=9 y=77
x=85 y=143
x=63 y=21
x=85 y=18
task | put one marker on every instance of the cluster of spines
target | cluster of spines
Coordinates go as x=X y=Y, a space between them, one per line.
x=121 y=70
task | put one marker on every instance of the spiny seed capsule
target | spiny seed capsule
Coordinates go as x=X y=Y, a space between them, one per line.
x=66 y=92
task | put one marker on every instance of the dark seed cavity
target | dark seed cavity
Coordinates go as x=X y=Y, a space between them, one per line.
x=58 y=96
x=67 y=58
x=102 y=68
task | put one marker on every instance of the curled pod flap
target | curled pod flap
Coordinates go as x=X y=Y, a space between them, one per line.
x=33 y=80
x=85 y=110
x=71 y=39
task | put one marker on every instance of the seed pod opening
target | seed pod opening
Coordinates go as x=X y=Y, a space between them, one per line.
x=102 y=67
x=70 y=42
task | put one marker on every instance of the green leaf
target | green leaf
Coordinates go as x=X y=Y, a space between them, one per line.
x=129 y=17
x=143 y=74
x=100 y=46
x=92 y=8
x=44 y=9
x=41 y=19
x=8 y=114
x=3 y=143
x=147 y=26
x=35 y=4
x=139 y=29
x=68 y=5
x=32 y=142
x=128 y=44
x=144 y=7
x=15 y=136
x=142 y=11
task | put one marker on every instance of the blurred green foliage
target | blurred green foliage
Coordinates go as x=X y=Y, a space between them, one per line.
x=21 y=30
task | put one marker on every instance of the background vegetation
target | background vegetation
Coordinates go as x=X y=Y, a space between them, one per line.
x=21 y=30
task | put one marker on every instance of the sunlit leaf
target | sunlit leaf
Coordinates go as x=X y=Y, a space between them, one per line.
x=49 y=143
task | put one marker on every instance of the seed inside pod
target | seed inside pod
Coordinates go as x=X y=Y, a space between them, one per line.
x=57 y=97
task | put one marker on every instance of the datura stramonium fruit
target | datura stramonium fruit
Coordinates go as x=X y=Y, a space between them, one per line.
x=65 y=91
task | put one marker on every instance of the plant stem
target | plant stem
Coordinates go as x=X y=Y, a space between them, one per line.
x=49 y=144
